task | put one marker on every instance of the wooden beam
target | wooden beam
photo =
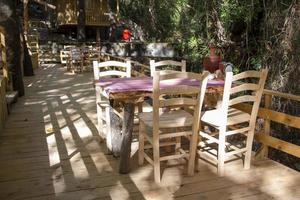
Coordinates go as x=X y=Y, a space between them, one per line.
x=279 y=144
x=275 y=116
x=43 y=3
x=283 y=95
x=25 y=16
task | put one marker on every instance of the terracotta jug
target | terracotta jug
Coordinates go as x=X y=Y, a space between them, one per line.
x=211 y=63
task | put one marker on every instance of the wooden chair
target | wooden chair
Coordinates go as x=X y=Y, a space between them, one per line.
x=153 y=124
x=227 y=121
x=167 y=64
x=76 y=60
x=104 y=70
x=64 y=56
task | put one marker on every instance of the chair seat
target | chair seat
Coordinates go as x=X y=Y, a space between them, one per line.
x=214 y=117
x=178 y=118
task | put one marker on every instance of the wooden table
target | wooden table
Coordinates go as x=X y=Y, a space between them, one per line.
x=133 y=90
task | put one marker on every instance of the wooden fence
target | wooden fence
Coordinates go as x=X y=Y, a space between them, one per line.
x=269 y=115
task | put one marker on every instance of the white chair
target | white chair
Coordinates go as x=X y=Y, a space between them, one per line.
x=153 y=124
x=64 y=56
x=168 y=64
x=105 y=70
x=246 y=87
x=76 y=60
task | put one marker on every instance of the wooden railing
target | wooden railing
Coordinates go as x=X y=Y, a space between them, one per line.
x=269 y=115
x=33 y=47
x=37 y=24
x=93 y=18
x=3 y=105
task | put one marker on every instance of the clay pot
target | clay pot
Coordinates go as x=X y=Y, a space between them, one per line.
x=211 y=63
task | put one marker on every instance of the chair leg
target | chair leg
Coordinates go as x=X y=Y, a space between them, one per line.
x=99 y=113
x=141 y=142
x=221 y=152
x=193 y=149
x=249 y=142
x=156 y=162
x=108 y=129
x=72 y=68
x=177 y=145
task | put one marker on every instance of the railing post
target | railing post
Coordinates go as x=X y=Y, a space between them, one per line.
x=267 y=126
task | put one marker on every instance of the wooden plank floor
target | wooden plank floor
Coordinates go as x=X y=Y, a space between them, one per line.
x=50 y=149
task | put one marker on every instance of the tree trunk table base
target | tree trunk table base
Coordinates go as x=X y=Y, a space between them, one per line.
x=127 y=128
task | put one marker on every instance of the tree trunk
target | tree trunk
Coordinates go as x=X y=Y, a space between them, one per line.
x=80 y=20
x=27 y=63
x=13 y=43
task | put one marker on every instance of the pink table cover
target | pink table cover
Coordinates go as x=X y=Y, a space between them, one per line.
x=144 y=84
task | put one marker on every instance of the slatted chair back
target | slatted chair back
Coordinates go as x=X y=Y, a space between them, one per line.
x=181 y=95
x=64 y=56
x=75 y=54
x=111 y=68
x=167 y=64
x=245 y=87
x=188 y=90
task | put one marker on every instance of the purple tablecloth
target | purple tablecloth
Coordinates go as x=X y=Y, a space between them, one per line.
x=144 y=84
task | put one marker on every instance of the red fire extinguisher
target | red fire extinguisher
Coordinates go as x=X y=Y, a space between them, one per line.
x=126 y=34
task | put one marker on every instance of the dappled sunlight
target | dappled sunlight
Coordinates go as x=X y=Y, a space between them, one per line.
x=69 y=141
x=60 y=119
x=59 y=183
x=99 y=158
x=118 y=192
x=83 y=131
x=54 y=157
x=78 y=167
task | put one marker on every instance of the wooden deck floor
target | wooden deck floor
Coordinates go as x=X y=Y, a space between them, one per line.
x=50 y=149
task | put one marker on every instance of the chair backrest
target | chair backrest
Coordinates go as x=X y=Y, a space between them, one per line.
x=167 y=63
x=111 y=68
x=245 y=87
x=64 y=55
x=75 y=54
x=180 y=93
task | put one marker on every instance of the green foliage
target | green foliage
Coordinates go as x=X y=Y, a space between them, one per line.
x=250 y=34
x=236 y=26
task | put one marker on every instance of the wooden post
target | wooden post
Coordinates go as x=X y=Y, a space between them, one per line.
x=3 y=105
x=127 y=129
x=267 y=125
x=25 y=16
x=118 y=10
x=264 y=150
x=13 y=45
x=3 y=56
x=80 y=5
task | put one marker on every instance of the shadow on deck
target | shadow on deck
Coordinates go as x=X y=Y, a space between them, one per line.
x=50 y=149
